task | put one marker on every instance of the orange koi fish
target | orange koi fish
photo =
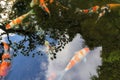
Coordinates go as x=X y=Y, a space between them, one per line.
x=33 y=3
x=5 y=65
x=4 y=49
x=77 y=58
x=43 y=6
x=113 y=5
x=18 y=20
x=85 y=11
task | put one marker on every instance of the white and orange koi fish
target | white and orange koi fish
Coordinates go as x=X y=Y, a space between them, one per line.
x=75 y=59
x=44 y=7
x=93 y=9
x=18 y=20
x=107 y=8
x=5 y=65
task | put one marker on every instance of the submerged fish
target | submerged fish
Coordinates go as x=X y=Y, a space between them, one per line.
x=5 y=62
x=44 y=7
x=6 y=47
x=5 y=65
x=103 y=11
x=75 y=59
x=18 y=20
x=93 y=9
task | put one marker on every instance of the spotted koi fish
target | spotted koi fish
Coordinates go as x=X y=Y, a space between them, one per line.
x=77 y=58
x=5 y=65
x=18 y=20
x=93 y=9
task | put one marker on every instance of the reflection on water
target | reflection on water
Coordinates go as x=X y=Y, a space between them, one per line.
x=26 y=67
x=29 y=58
x=82 y=70
x=41 y=67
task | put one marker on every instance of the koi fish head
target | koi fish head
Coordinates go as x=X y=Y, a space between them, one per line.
x=97 y=7
x=8 y=26
x=5 y=56
x=87 y=49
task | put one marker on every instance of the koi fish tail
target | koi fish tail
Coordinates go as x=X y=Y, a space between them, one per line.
x=77 y=10
x=97 y=19
x=47 y=10
x=113 y=5
x=31 y=12
x=61 y=75
x=100 y=15
x=33 y=3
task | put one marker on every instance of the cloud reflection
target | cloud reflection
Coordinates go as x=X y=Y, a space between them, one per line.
x=82 y=70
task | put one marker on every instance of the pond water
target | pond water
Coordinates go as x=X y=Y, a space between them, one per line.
x=43 y=68
x=30 y=60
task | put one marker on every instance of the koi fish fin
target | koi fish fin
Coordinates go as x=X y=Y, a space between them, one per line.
x=33 y=3
x=61 y=75
x=77 y=10
x=85 y=60
x=31 y=12
x=98 y=19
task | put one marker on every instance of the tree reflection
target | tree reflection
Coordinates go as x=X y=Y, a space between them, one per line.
x=62 y=25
